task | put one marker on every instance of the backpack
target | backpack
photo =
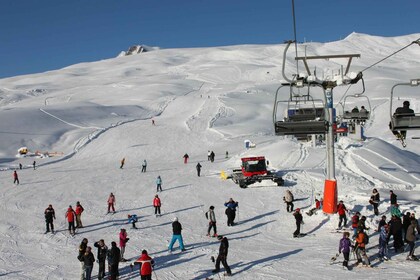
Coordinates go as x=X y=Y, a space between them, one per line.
x=366 y=239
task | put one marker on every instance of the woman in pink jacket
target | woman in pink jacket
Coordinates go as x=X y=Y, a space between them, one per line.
x=111 y=202
x=123 y=241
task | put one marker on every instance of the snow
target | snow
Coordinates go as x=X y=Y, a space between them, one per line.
x=201 y=99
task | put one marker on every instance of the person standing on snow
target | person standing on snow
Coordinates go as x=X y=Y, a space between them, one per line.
x=176 y=229
x=355 y=223
x=143 y=166
x=212 y=221
x=88 y=260
x=208 y=155
x=411 y=239
x=122 y=163
x=157 y=204
x=186 y=158
x=114 y=256
x=79 y=210
x=102 y=251
x=49 y=216
x=111 y=202
x=344 y=247
x=132 y=219
x=123 y=242
x=15 y=178
x=146 y=265
x=222 y=257
x=198 y=167
x=34 y=164
x=82 y=251
x=71 y=217
x=392 y=198
x=341 y=210
x=288 y=199
x=383 y=243
x=360 y=248
x=299 y=221
x=231 y=211
x=158 y=184
x=212 y=155
x=374 y=200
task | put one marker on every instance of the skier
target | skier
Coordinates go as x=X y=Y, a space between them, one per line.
x=392 y=198
x=71 y=216
x=411 y=239
x=79 y=211
x=49 y=216
x=374 y=200
x=404 y=111
x=146 y=265
x=299 y=221
x=82 y=251
x=15 y=177
x=212 y=155
x=341 y=210
x=344 y=247
x=383 y=243
x=157 y=203
x=114 y=255
x=101 y=257
x=143 y=166
x=231 y=211
x=355 y=223
x=34 y=164
x=111 y=202
x=208 y=155
x=186 y=158
x=123 y=242
x=222 y=257
x=198 y=167
x=360 y=248
x=315 y=209
x=122 y=163
x=132 y=219
x=88 y=260
x=158 y=184
x=176 y=229
x=212 y=221
x=288 y=199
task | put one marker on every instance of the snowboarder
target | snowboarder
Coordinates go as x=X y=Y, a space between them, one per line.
x=111 y=202
x=341 y=210
x=122 y=163
x=185 y=158
x=383 y=243
x=231 y=211
x=71 y=217
x=212 y=221
x=288 y=199
x=157 y=203
x=374 y=200
x=315 y=209
x=132 y=219
x=79 y=211
x=123 y=242
x=49 y=216
x=15 y=177
x=176 y=229
x=222 y=257
x=411 y=239
x=34 y=164
x=158 y=184
x=392 y=198
x=299 y=221
x=82 y=251
x=404 y=111
x=360 y=248
x=88 y=260
x=113 y=255
x=198 y=167
x=344 y=248
x=101 y=257
x=143 y=166
x=355 y=223
x=212 y=155
x=146 y=265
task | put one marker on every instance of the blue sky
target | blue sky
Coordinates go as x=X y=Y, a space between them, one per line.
x=37 y=36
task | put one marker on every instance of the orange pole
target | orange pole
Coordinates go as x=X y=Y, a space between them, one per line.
x=330 y=197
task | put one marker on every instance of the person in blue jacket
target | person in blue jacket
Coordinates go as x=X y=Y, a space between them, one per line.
x=158 y=184
x=132 y=219
x=231 y=211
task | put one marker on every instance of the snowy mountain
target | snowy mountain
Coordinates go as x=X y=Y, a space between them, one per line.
x=89 y=116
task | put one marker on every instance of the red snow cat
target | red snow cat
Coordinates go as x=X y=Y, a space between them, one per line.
x=253 y=170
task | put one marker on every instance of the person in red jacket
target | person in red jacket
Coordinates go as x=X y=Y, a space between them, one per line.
x=157 y=204
x=146 y=265
x=71 y=217
x=79 y=210
x=123 y=241
x=341 y=210
x=15 y=177
x=354 y=223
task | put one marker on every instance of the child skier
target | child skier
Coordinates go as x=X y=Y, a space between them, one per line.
x=132 y=219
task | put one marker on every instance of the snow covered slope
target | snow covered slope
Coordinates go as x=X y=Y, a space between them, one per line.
x=201 y=99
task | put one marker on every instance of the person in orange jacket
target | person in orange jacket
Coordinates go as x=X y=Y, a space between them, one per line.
x=71 y=217
x=360 y=248
x=146 y=265
x=157 y=204
x=79 y=210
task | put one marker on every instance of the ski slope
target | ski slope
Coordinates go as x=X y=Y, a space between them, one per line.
x=201 y=99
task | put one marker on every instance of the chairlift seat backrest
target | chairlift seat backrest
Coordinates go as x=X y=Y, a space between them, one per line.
x=356 y=115
x=300 y=127
x=400 y=122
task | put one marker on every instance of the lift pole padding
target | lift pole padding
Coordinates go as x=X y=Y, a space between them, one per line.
x=330 y=197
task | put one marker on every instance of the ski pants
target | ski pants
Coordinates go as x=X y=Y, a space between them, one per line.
x=16 y=181
x=383 y=248
x=362 y=256
x=101 y=272
x=346 y=256
x=146 y=277
x=79 y=220
x=343 y=218
x=113 y=271
x=111 y=205
x=158 y=187
x=230 y=217
x=289 y=205
x=143 y=168
x=157 y=210
x=212 y=225
x=198 y=172
x=297 y=231
x=49 y=224
x=71 y=226
x=375 y=208
x=176 y=237
x=222 y=259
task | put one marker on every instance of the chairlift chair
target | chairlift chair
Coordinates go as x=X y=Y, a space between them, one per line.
x=401 y=121
x=356 y=116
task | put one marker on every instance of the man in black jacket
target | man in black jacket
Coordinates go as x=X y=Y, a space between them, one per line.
x=299 y=221
x=222 y=257
x=176 y=230
x=114 y=255
x=102 y=250
x=49 y=216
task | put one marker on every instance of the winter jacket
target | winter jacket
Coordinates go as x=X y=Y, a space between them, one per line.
x=393 y=198
x=411 y=232
x=159 y=181
x=114 y=255
x=345 y=245
x=404 y=111
x=79 y=209
x=70 y=215
x=102 y=250
x=123 y=238
x=298 y=217
x=224 y=247
x=211 y=216
x=88 y=259
x=375 y=197
x=232 y=205
x=82 y=250
x=198 y=166
x=144 y=163
x=111 y=199
x=406 y=220
x=383 y=234
x=395 y=211
x=133 y=218
x=146 y=264
x=176 y=228
x=15 y=175
x=360 y=240
x=341 y=209
x=355 y=221
x=49 y=214
x=395 y=226
x=288 y=197
x=361 y=225
x=156 y=202
x=381 y=224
